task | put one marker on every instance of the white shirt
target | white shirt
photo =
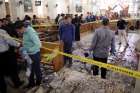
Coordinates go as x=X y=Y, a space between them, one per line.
x=5 y=41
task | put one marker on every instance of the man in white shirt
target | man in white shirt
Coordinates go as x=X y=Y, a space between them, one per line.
x=5 y=41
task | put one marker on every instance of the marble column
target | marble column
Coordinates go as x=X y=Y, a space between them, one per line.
x=13 y=9
x=20 y=10
x=3 y=10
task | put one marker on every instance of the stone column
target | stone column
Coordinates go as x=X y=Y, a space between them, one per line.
x=136 y=8
x=3 y=10
x=20 y=10
x=13 y=9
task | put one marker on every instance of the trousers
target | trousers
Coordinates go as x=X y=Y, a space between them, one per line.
x=67 y=49
x=96 y=68
x=8 y=67
x=35 y=70
x=122 y=35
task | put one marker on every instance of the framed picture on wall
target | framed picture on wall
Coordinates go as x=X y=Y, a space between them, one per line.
x=28 y=6
x=37 y=3
x=78 y=8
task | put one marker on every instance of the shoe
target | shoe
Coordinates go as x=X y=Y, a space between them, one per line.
x=120 y=43
x=127 y=45
x=28 y=86
x=103 y=77
x=69 y=65
x=19 y=85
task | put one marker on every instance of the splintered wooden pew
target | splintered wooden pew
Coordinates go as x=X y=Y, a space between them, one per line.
x=57 y=62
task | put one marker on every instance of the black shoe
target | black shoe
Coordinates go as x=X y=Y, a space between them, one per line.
x=19 y=85
x=127 y=45
x=28 y=86
x=120 y=43
x=38 y=83
x=69 y=65
x=103 y=77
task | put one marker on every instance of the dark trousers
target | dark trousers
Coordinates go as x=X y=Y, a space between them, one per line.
x=67 y=49
x=13 y=67
x=8 y=68
x=96 y=68
x=35 y=70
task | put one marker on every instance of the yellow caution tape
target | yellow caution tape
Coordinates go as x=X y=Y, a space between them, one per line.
x=49 y=25
x=132 y=73
x=49 y=57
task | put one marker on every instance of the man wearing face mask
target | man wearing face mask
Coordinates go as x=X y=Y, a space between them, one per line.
x=67 y=36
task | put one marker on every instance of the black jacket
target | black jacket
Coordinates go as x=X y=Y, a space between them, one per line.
x=121 y=24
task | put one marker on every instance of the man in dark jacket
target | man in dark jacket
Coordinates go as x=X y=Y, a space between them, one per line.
x=121 y=24
x=67 y=35
x=57 y=18
x=76 y=22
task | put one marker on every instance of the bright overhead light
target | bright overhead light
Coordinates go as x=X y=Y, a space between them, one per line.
x=6 y=0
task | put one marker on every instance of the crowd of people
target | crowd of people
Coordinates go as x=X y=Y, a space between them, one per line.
x=89 y=17
x=69 y=32
x=103 y=39
x=30 y=43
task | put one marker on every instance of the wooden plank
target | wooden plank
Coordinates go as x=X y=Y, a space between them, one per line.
x=58 y=60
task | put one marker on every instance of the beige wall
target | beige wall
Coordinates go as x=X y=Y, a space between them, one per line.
x=51 y=10
x=2 y=10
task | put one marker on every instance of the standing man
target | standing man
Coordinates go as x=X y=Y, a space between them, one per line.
x=121 y=24
x=6 y=66
x=103 y=39
x=67 y=35
x=32 y=44
x=61 y=19
x=57 y=18
x=76 y=22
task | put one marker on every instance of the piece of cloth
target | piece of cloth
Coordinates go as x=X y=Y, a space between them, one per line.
x=35 y=70
x=96 y=68
x=31 y=41
x=27 y=58
x=103 y=39
x=25 y=55
x=122 y=35
x=5 y=41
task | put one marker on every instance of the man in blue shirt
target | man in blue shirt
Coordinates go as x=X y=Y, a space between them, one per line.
x=67 y=36
x=32 y=44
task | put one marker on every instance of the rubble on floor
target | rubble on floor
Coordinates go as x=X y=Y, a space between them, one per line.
x=71 y=81
x=79 y=78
